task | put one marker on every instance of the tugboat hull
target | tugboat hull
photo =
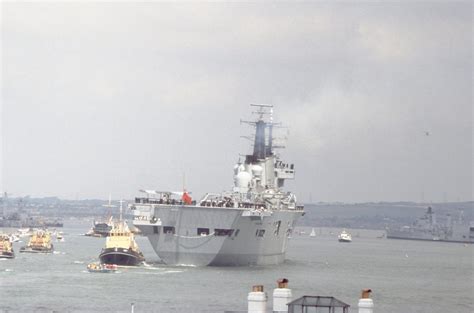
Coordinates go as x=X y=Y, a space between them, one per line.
x=121 y=256
x=344 y=240
x=7 y=255
x=36 y=250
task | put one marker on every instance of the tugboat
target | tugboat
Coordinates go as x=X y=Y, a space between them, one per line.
x=40 y=242
x=101 y=268
x=344 y=237
x=120 y=246
x=6 y=248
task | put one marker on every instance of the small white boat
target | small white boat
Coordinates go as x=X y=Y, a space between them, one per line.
x=24 y=232
x=14 y=238
x=344 y=237
x=59 y=236
x=313 y=233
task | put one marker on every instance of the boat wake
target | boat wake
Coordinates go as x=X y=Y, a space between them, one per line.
x=186 y=265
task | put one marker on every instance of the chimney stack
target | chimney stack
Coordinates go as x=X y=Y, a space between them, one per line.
x=281 y=296
x=366 y=305
x=257 y=300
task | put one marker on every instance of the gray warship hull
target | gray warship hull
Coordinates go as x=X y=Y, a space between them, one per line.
x=459 y=234
x=248 y=225
x=200 y=236
x=426 y=228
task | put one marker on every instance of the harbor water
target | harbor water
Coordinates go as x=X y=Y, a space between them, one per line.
x=405 y=276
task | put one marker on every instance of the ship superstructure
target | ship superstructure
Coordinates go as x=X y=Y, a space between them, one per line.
x=248 y=225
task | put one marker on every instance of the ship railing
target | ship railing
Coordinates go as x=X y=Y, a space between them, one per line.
x=161 y=201
x=229 y=203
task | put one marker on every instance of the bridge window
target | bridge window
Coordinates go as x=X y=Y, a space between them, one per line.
x=169 y=230
x=223 y=232
x=156 y=230
x=260 y=232
x=203 y=231
x=237 y=232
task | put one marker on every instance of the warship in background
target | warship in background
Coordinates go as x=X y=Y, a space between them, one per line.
x=249 y=225
x=16 y=216
x=427 y=228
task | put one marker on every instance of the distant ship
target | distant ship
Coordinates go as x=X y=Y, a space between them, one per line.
x=17 y=220
x=426 y=228
x=249 y=225
x=344 y=237
x=100 y=229
x=59 y=236
x=40 y=242
x=6 y=247
x=120 y=246
x=313 y=233
x=15 y=216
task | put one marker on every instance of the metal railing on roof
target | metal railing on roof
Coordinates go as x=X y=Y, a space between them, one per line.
x=317 y=304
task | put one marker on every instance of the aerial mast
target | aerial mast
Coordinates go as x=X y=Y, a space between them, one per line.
x=260 y=149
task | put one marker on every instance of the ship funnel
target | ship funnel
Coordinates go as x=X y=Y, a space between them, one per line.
x=366 y=304
x=257 y=300
x=281 y=296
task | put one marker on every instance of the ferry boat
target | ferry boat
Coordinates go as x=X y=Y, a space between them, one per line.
x=120 y=246
x=40 y=242
x=6 y=247
x=344 y=237
x=96 y=267
x=249 y=225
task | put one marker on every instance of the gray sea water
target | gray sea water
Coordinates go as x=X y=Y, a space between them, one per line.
x=405 y=276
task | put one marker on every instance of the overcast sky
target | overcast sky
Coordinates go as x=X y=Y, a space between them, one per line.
x=102 y=98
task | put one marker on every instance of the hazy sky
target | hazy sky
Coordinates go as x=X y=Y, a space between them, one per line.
x=102 y=98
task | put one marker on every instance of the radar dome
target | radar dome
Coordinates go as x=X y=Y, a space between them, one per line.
x=242 y=179
x=257 y=170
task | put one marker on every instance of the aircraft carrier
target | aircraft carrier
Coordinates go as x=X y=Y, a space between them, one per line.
x=427 y=228
x=249 y=225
